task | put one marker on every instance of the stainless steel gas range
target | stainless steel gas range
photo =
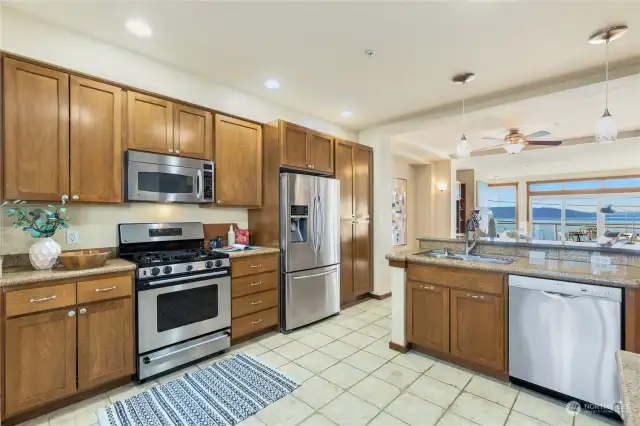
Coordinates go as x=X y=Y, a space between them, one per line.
x=183 y=295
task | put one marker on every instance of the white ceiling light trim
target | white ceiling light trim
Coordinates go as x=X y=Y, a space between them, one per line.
x=606 y=129
x=346 y=114
x=138 y=27
x=272 y=84
x=463 y=149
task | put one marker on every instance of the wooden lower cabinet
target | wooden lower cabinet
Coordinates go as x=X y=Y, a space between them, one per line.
x=428 y=315
x=40 y=359
x=105 y=342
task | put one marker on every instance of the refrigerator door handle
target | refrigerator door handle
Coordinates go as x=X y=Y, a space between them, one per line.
x=315 y=224
x=315 y=275
x=321 y=224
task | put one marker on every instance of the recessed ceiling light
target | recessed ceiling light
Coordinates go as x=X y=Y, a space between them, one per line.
x=138 y=27
x=346 y=114
x=272 y=84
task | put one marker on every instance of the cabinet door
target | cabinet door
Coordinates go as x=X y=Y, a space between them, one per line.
x=96 y=141
x=477 y=328
x=344 y=151
x=347 y=261
x=41 y=353
x=105 y=342
x=428 y=315
x=238 y=162
x=149 y=123
x=36 y=126
x=363 y=175
x=321 y=152
x=294 y=146
x=344 y=173
x=363 y=281
x=193 y=132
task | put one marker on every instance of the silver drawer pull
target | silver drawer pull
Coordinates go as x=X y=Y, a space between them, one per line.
x=256 y=322
x=255 y=284
x=259 y=265
x=256 y=303
x=42 y=299
x=474 y=296
x=102 y=290
x=427 y=287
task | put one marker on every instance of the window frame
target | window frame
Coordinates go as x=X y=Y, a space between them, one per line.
x=515 y=185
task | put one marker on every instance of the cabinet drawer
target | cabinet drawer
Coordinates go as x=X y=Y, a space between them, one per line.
x=23 y=302
x=254 y=265
x=107 y=288
x=253 y=303
x=252 y=323
x=252 y=284
x=465 y=279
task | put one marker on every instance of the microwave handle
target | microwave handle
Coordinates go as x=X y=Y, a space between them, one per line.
x=199 y=184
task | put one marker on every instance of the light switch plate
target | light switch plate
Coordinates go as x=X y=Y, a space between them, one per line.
x=73 y=236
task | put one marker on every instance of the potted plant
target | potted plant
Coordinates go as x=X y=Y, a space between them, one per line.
x=41 y=224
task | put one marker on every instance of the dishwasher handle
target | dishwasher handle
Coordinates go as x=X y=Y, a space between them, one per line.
x=556 y=295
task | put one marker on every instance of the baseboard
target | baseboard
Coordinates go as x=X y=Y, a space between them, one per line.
x=380 y=296
x=397 y=347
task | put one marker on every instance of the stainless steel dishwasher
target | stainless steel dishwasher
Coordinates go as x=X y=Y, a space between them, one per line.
x=564 y=336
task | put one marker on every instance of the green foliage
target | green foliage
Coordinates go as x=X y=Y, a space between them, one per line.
x=39 y=223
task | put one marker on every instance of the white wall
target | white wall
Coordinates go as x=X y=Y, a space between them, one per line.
x=34 y=38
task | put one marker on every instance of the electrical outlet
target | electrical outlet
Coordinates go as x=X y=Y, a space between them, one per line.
x=73 y=236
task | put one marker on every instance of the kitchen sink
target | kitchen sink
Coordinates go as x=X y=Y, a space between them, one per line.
x=443 y=254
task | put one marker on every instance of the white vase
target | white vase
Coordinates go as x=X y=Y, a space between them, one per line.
x=44 y=254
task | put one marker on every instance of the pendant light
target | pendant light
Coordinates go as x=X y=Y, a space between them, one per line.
x=463 y=150
x=606 y=129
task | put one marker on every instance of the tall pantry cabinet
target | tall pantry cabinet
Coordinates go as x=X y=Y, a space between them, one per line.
x=354 y=169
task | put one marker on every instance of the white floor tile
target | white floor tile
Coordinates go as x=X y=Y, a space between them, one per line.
x=381 y=349
x=449 y=374
x=384 y=419
x=129 y=390
x=333 y=330
x=479 y=410
x=396 y=375
x=492 y=390
x=338 y=349
x=316 y=340
x=316 y=361
x=365 y=361
x=518 y=419
x=317 y=420
x=288 y=411
x=434 y=391
x=414 y=361
x=317 y=392
x=375 y=391
x=293 y=350
x=414 y=411
x=253 y=348
x=343 y=375
x=349 y=410
x=367 y=317
x=379 y=311
x=383 y=322
x=374 y=331
x=300 y=333
x=353 y=323
x=251 y=421
x=542 y=409
x=83 y=413
x=450 y=419
x=357 y=340
x=275 y=341
x=296 y=373
x=273 y=359
x=40 y=421
x=589 y=420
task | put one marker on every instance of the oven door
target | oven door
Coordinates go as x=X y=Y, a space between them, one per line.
x=182 y=309
x=163 y=183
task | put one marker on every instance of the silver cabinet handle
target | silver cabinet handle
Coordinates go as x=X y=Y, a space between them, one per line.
x=41 y=299
x=219 y=201
x=256 y=303
x=83 y=311
x=102 y=290
x=75 y=197
x=259 y=265
x=255 y=284
x=427 y=287
x=177 y=151
x=474 y=296
x=71 y=314
x=256 y=322
x=170 y=150
x=313 y=167
x=64 y=197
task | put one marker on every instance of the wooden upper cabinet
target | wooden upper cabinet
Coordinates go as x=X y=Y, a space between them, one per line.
x=238 y=153
x=96 y=141
x=294 y=145
x=193 y=130
x=320 y=152
x=363 y=177
x=427 y=315
x=36 y=130
x=478 y=328
x=149 y=123
x=105 y=342
x=41 y=352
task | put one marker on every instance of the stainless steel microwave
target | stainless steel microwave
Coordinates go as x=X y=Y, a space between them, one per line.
x=167 y=179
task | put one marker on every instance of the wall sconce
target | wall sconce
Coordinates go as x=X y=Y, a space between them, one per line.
x=441 y=186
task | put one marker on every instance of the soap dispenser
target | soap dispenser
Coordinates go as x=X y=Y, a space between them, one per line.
x=231 y=236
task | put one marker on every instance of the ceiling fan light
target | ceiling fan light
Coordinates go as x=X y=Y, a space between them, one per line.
x=606 y=129
x=513 y=148
x=463 y=150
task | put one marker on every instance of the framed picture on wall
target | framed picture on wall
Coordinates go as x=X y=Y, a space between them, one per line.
x=399 y=212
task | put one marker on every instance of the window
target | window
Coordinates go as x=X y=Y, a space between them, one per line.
x=502 y=200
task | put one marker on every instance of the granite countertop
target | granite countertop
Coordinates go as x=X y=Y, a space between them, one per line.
x=583 y=272
x=249 y=253
x=629 y=375
x=20 y=275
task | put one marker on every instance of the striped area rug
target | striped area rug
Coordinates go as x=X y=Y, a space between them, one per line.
x=222 y=394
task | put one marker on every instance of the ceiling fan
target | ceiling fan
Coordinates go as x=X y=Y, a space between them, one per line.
x=515 y=141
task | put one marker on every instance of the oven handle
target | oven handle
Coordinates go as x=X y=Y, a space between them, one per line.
x=224 y=335
x=199 y=184
x=173 y=280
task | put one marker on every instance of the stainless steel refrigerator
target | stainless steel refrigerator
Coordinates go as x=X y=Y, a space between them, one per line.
x=310 y=239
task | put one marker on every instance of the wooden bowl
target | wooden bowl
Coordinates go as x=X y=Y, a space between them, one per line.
x=84 y=259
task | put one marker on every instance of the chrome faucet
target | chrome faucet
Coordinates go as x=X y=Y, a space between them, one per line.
x=471 y=227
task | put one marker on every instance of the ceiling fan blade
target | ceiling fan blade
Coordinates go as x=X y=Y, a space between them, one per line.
x=488 y=147
x=493 y=139
x=539 y=134
x=547 y=143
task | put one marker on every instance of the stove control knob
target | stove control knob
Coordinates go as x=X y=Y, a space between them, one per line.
x=167 y=269
x=208 y=264
x=189 y=267
x=155 y=271
x=218 y=263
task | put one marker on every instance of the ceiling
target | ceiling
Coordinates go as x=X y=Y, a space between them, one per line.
x=316 y=49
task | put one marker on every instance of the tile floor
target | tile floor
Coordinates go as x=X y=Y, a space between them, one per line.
x=350 y=377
